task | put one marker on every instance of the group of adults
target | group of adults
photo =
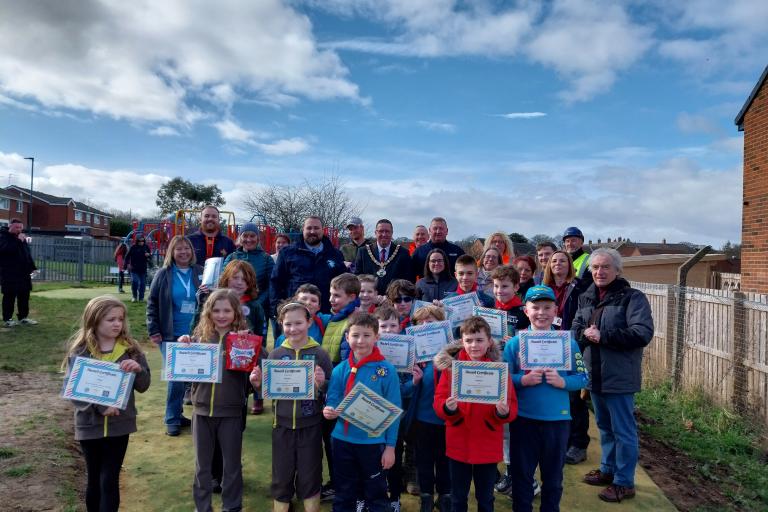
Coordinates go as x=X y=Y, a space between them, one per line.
x=611 y=321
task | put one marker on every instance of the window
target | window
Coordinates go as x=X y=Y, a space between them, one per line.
x=78 y=215
x=19 y=207
x=90 y=217
x=96 y=219
x=5 y=204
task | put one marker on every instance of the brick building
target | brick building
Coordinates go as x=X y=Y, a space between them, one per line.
x=13 y=205
x=753 y=121
x=54 y=215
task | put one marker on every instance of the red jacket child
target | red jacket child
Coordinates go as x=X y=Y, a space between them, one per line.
x=474 y=433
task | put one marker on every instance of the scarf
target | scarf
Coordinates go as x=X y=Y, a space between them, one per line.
x=374 y=357
x=245 y=298
x=459 y=291
x=405 y=322
x=560 y=297
x=319 y=323
x=372 y=308
x=507 y=306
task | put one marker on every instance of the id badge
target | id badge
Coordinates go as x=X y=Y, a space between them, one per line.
x=557 y=322
x=188 y=307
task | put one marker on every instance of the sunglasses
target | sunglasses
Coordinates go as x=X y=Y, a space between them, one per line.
x=404 y=298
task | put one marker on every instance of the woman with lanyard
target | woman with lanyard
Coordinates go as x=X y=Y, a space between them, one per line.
x=170 y=310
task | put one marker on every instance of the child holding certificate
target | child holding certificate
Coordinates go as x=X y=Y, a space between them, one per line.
x=401 y=293
x=297 y=430
x=361 y=457
x=310 y=295
x=506 y=281
x=103 y=431
x=344 y=293
x=473 y=431
x=539 y=437
x=466 y=275
x=218 y=417
x=368 y=293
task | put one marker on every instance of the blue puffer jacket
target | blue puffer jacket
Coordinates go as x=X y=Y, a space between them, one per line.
x=624 y=319
x=297 y=265
x=263 y=264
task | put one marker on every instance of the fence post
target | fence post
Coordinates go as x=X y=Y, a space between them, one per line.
x=682 y=281
x=739 y=352
x=670 y=336
x=81 y=263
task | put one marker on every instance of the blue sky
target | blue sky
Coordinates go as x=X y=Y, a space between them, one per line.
x=520 y=116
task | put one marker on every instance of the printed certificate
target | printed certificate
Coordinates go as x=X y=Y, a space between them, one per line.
x=418 y=304
x=399 y=350
x=545 y=349
x=479 y=381
x=288 y=379
x=98 y=382
x=460 y=307
x=192 y=362
x=429 y=339
x=496 y=318
x=367 y=410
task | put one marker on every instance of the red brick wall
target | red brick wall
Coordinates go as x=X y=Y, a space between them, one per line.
x=754 y=220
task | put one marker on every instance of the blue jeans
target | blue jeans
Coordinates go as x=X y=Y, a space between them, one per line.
x=138 y=284
x=615 y=418
x=462 y=475
x=174 y=398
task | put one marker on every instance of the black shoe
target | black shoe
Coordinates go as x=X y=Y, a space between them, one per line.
x=327 y=492
x=185 y=422
x=575 y=455
x=173 y=431
x=216 y=486
x=504 y=485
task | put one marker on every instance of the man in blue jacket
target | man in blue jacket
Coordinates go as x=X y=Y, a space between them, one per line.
x=438 y=234
x=312 y=259
x=208 y=242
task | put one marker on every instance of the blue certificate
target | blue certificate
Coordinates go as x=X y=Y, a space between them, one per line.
x=459 y=307
x=479 y=381
x=429 y=339
x=399 y=350
x=545 y=349
x=288 y=379
x=98 y=382
x=367 y=410
x=192 y=362
x=496 y=318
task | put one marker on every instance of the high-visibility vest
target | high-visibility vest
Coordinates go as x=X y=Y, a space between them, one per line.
x=580 y=264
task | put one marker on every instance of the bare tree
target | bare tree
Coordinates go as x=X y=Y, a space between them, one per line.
x=286 y=206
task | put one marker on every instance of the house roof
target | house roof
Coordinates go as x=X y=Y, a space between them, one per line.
x=666 y=259
x=59 y=201
x=7 y=195
x=740 y=118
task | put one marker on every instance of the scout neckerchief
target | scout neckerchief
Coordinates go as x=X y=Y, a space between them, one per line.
x=319 y=323
x=112 y=357
x=382 y=264
x=374 y=357
x=459 y=291
x=507 y=306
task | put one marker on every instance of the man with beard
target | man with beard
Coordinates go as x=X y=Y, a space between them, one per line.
x=208 y=241
x=382 y=258
x=312 y=259
x=438 y=233
x=357 y=241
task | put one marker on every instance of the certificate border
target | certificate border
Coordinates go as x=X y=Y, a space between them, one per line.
x=444 y=325
x=126 y=384
x=402 y=338
x=481 y=311
x=563 y=335
x=362 y=389
x=502 y=368
x=455 y=298
x=212 y=378
x=277 y=363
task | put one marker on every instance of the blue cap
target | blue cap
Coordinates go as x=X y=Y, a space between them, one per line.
x=573 y=231
x=250 y=226
x=539 y=292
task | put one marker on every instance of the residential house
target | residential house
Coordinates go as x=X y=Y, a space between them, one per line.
x=13 y=205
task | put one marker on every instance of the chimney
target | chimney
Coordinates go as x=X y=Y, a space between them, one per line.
x=608 y=240
x=664 y=241
x=598 y=241
x=590 y=242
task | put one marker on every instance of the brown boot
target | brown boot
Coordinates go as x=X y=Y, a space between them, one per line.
x=312 y=504
x=616 y=493
x=597 y=477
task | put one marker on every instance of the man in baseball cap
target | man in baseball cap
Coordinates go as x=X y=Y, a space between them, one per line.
x=357 y=240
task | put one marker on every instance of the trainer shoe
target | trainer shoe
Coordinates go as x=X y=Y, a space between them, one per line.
x=616 y=493
x=359 y=506
x=27 y=321
x=536 y=487
x=597 y=477
x=10 y=323
x=395 y=505
x=327 y=492
x=504 y=485
x=575 y=455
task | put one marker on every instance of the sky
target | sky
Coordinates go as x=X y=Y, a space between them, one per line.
x=616 y=117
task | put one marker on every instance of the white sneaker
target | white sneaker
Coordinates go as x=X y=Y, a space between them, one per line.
x=395 y=505
x=28 y=321
x=10 y=323
x=536 y=487
x=359 y=506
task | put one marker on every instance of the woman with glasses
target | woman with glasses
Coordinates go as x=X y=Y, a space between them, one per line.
x=437 y=280
x=489 y=261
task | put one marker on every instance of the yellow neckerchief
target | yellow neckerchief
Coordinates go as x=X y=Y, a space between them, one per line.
x=310 y=343
x=112 y=357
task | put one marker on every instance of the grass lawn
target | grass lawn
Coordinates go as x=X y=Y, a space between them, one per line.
x=158 y=470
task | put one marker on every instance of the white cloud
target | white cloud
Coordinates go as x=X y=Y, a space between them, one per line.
x=283 y=147
x=438 y=127
x=692 y=123
x=151 y=61
x=231 y=131
x=164 y=131
x=522 y=115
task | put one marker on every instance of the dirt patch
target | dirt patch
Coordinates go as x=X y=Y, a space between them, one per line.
x=40 y=467
x=678 y=475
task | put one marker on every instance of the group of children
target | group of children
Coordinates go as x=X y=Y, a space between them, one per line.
x=455 y=443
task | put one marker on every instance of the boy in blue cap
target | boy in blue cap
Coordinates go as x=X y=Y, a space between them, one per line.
x=539 y=436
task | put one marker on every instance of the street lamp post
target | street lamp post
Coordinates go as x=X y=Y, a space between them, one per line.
x=31 y=189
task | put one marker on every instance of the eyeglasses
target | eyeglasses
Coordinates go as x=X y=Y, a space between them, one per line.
x=437 y=261
x=404 y=298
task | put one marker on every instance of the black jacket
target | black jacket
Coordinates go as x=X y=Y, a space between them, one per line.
x=297 y=265
x=626 y=327
x=398 y=268
x=419 y=256
x=427 y=289
x=16 y=263
x=137 y=258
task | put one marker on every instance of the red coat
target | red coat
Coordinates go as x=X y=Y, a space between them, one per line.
x=474 y=433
